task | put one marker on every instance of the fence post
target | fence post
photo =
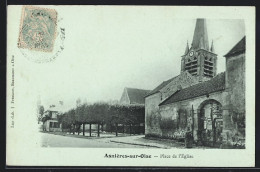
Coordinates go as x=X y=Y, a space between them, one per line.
x=90 y=130
x=130 y=129
x=116 y=130
x=98 y=130
x=83 y=129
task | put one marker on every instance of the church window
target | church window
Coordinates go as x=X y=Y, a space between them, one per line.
x=192 y=65
x=208 y=68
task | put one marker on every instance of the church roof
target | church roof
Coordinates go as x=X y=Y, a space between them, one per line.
x=239 y=48
x=200 y=37
x=136 y=96
x=159 y=87
x=215 y=84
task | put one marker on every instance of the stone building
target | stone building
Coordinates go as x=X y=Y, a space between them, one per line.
x=200 y=60
x=51 y=123
x=208 y=105
x=133 y=96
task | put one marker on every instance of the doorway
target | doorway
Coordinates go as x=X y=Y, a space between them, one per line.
x=210 y=123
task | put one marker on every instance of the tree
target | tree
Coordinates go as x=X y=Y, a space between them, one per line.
x=100 y=112
x=78 y=102
x=82 y=116
x=40 y=112
x=103 y=113
x=45 y=118
x=71 y=119
x=114 y=112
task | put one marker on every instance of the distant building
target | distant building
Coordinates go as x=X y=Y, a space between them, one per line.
x=211 y=106
x=50 y=118
x=133 y=96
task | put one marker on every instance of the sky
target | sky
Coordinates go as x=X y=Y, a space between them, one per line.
x=108 y=50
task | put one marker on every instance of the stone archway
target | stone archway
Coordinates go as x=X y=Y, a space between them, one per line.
x=210 y=122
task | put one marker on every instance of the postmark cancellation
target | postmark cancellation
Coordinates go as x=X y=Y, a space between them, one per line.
x=38 y=29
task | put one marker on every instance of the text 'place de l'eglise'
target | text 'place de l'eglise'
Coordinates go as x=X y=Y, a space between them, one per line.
x=198 y=105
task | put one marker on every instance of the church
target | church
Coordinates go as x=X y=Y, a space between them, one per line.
x=209 y=106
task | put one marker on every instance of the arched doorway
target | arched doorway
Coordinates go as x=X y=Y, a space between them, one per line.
x=210 y=123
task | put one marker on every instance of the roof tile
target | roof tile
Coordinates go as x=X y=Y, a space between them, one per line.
x=159 y=87
x=240 y=47
x=136 y=96
x=215 y=84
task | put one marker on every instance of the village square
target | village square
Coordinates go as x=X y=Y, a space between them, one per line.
x=196 y=108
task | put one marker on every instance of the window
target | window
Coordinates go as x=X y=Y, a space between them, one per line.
x=54 y=125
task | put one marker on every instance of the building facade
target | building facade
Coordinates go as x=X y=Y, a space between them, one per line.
x=200 y=60
x=51 y=122
x=132 y=97
x=210 y=106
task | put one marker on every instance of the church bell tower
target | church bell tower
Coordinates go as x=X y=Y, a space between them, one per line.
x=200 y=60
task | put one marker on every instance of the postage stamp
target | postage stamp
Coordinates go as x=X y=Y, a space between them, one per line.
x=37 y=29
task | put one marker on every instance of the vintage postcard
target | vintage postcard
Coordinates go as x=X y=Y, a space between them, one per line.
x=130 y=86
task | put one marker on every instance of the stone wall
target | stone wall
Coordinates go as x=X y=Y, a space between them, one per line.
x=234 y=133
x=200 y=55
x=235 y=76
x=152 y=115
x=184 y=80
x=170 y=112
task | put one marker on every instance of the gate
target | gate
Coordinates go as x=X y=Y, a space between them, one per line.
x=210 y=123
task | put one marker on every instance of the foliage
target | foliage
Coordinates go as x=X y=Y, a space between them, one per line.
x=103 y=113
x=40 y=112
x=45 y=118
